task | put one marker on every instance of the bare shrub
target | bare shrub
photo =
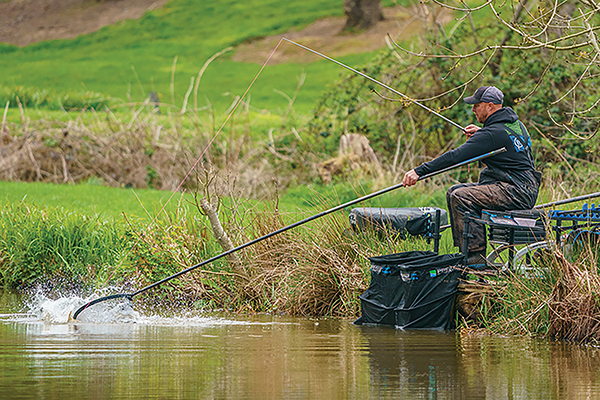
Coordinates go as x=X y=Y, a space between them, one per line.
x=139 y=150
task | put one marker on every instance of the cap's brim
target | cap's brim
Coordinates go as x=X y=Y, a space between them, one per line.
x=471 y=100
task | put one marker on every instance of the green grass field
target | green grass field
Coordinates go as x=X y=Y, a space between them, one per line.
x=135 y=57
x=113 y=203
x=88 y=199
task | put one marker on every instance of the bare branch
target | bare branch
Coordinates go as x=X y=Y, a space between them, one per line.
x=588 y=109
x=558 y=152
x=537 y=45
x=466 y=9
x=464 y=85
x=577 y=135
x=539 y=82
x=547 y=44
x=578 y=80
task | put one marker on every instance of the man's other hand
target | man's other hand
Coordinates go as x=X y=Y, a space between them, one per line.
x=471 y=129
x=410 y=178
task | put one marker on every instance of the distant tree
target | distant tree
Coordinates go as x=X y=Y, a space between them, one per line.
x=362 y=14
x=544 y=56
x=553 y=49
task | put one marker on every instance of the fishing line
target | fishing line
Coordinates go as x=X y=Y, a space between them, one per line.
x=375 y=81
x=200 y=157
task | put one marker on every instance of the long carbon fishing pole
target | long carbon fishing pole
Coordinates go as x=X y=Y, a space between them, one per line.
x=130 y=296
x=376 y=81
x=571 y=200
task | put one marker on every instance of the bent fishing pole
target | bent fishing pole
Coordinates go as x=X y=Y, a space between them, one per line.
x=130 y=296
x=375 y=81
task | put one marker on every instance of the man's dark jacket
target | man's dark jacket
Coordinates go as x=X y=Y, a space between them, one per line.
x=515 y=166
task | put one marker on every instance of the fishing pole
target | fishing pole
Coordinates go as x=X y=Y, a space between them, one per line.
x=571 y=200
x=130 y=296
x=375 y=81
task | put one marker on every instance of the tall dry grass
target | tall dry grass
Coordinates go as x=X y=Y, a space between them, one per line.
x=574 y=304
x=561 y=299
x=318 y=269
x=141 y=148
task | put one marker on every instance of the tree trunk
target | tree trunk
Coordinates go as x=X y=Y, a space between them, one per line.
x=221 y=236
x=362 y=14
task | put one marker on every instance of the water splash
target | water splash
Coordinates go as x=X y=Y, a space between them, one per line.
x=118 y=312
x=59 y=311
x=56 y=311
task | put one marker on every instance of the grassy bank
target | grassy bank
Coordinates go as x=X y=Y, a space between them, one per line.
x=269 y=166
x=559 y=298
x=318 y=269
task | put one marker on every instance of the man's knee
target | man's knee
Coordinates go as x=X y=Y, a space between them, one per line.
x=450 y=194
x=458 y=195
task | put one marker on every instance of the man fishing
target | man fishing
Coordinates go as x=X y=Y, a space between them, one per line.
x=508 y=182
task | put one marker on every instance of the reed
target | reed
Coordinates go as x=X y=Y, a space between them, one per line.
x=54 y=246
x=561 y=299
x=315 y=270
x=574 y=304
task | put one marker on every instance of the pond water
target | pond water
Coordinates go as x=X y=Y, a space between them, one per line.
x=195 y=356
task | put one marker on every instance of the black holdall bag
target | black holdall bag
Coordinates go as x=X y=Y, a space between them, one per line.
x=416 y=221
x=412 y=290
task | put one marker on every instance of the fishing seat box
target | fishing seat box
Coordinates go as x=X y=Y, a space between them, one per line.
x=515 y=226
x=416 y=221
x=412 y=290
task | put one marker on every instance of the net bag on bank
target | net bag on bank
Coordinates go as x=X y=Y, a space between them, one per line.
x=412 y=290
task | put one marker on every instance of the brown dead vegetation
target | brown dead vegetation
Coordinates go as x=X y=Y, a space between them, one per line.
x=138 y=156
x=574 y=304
x=354 y=153
x=144 y=151
x=559 y=298
x=312 y=271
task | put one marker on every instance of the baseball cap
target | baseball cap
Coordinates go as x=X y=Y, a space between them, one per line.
x=485 y=94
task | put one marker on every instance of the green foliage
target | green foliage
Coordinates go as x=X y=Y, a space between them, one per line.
x=6 y=48
x=344 y=109
x=353 y=107
x=152 y=177
x=53 y=245
x=32 y=97
x=350 y=106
